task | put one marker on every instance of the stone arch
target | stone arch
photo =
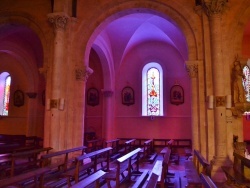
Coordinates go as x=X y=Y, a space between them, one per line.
x=30 y=63
x=112 y=11
x=31 y=23
x=236 y=30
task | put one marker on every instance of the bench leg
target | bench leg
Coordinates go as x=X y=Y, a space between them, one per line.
x=108 y=183
x=97 y=185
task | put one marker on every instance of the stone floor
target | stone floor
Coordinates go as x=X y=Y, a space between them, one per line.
x=179 y=180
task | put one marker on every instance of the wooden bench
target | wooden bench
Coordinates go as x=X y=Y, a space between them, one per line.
x=34 y=178
x=207 y=181
x=174 y=156
x=127 y=146
x=193 y=168
x=10 y=143
x=93 y=145
x=141 y=179
x=81 y=168
x=59 y=162
x=93 y=178
x=161 y=169
x=169 y=146
x=122 y=164
x=235 y=174
x=152 y=182
x=115 y=151
x=202 y=165
x=146 y=150
x=179 y=144
x=24 y=161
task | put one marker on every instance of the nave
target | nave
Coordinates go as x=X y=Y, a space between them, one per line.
x=125 y=166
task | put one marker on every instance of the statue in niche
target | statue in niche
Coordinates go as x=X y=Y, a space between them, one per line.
x=237 y=78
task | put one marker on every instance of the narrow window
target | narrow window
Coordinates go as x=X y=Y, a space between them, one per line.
x=246 y=82
x=153 y=92
x=152 y=87
x=5 y=81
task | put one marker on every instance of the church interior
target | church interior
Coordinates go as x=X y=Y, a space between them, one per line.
x=73 y=72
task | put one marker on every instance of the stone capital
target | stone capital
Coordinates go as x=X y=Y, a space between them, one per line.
x=192 y=70
x=214 y=7
x=59 y=20
x=43 y=71
x=82 y=74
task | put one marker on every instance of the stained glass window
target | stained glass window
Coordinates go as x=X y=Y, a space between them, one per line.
x=5 y=81
x=246 y=82
x=152 y=90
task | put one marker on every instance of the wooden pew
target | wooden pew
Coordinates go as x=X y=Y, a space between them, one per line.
x=202 y=165
x=174 y=156
x=32 y=178
x=169 y=146
x=207 y=181
x=11 y=143
x=236 y=174
x=98 y=156
x=127 y=146
x=192 y=169
x=115 y=151
x=93 y=145
x=5 y=163
x=161 y=169
x=141 y=179
x=147 y=151
x=93 y=178
x=152 y=182
x=122 y=164
x=59 y=162
x=180 y=144
x=25 y=161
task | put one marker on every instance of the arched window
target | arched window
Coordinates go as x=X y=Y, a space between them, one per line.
x=152 y=90
x=5 y=81
x=246 y=82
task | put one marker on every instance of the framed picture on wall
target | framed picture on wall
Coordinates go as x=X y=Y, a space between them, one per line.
x=18 y=98
x=128 y=96
x=92 y=97
x=176 y=95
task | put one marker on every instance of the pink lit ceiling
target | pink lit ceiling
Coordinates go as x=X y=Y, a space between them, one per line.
x=150 y=37
x=21 y=42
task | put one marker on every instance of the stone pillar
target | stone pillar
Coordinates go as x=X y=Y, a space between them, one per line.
x=56 y=128
x=108 y=130
x=82 y=74
x=214 y=10
x=192 y=69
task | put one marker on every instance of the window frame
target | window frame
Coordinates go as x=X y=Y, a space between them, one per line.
x=144 y=88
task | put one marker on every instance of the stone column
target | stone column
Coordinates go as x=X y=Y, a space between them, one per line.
x=82 y=74
x=192 y=69
x=56 y=128
x=214 y=10
x=108 y=129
